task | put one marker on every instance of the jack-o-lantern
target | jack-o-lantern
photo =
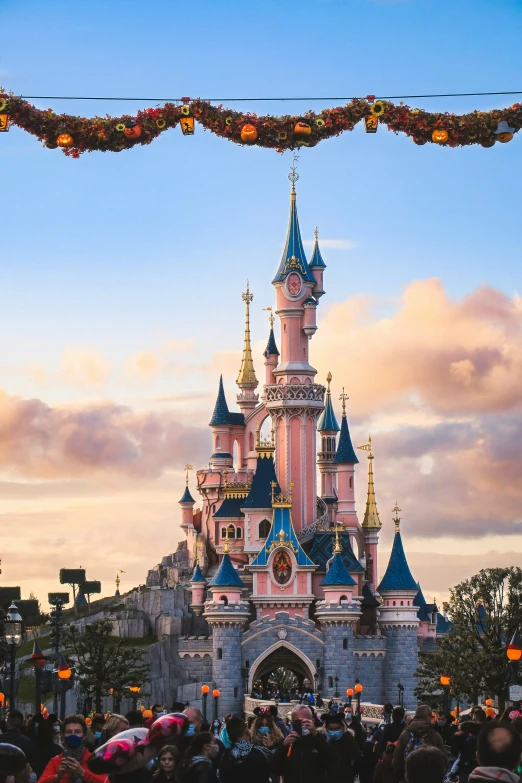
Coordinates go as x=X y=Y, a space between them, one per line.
x=132 y=130
x=504 y=132
x=65 y=140
x=248 y=132
x=440 y=136
x=302 y=127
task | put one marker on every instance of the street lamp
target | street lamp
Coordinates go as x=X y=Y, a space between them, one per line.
x=514 y=649
x=358 y=690
x=13 y=637
x=204 y=695
x=38 y=661
x=400 y=689
x=349 y=693
x=445 y=681
x=216 y=694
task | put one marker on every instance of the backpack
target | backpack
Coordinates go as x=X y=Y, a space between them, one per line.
x=412 y=744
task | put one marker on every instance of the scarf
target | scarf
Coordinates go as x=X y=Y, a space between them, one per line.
x=197 y=759
x=493 y=773
x=241 y=749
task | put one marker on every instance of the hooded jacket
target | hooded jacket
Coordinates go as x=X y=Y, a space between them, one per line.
x=485 y=774
x=419 y=732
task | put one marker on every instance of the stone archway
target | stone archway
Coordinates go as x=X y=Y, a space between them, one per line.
x=282 y=654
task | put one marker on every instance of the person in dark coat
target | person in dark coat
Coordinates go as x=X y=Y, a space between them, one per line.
x=346 y=748
x=168 y=763
x=392 y=731
x=43 y=748
x=305 y=756
x=464 y=744
x=384 y=772
x=197 y=765
x=13 y=734
x=243 y=762
x=420 y=732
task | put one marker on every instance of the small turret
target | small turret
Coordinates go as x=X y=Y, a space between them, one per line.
x=328 y=428
x=338 y=583
x=198 y=584
x=226 y=581
x=371 y=524
x=220 y=423
x=271 y=353
x=246 y=380
x=187 y=503
x=345 y=460
x=317 y=267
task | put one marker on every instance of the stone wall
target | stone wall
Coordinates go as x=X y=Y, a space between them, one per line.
x=401 y=662
x=338 y=660
x=370 y=661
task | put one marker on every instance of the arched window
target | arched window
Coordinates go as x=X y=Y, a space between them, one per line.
x=330 y=682
x=402 y=603
x=224 y=599
x=343 y=598
x=394 y=603
x=345 y=644
x=264 y=528
x=223 y=532
x=239 y=532
x=251 y=442
x=219 y=653
x=231 y=531
x=351 y=482
x=235 y=456
x=218 y=443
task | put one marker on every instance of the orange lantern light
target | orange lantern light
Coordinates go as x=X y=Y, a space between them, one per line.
x=358 y=688
x=134 y=688
x=205 y=689
x=445 y=681
x=489 y=702
x=248 y=132
x=490 y=712
x=88 y=721
x=147 y=713
x=216 y=693
x=187 y=126
x=65 y=140
x=514 y=650
x=440 y=136
x=349 y=692
x=64 y=673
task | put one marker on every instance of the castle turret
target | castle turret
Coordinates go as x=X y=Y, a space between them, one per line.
x=337 y=614
x=317 y=267
x=371 y=524
x=328 y=429
x=198 y=584
x=271 y=353
x=399 y=621
x=345 y=461
x=187 y=503
x=227 y=613
x=247 y=398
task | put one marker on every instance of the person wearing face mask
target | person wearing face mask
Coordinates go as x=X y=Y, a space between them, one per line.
x=243 y=762
x=215 y=728
x=43 y=744
x=305 y=756
x=71 y=765
x=265 y=734
x=346 y=748
x=197 y=765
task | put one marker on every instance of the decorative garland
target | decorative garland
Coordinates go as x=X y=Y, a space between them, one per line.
x=114 y=134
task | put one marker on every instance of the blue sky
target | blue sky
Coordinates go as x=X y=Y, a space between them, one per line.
x=120 y=253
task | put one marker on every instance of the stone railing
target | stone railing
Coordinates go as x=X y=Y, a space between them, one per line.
x=311 y=392
x=322 y=523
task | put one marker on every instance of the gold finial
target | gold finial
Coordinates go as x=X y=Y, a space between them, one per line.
x=344 y=397
x=270 y=317
x=281 y=535
x=396 y=518
x=247 y=376
x=338 y=548
x=187 y=468
x=118 y=580
x=371 y=515
x=273 y=485
x=293 y=176
x=282 y=500
x=328 y=381
x=316 y=233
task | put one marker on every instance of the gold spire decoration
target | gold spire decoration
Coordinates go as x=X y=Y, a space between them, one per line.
x=337 y=547
x=187 y=468
x=247 y=375
x=328 y=381
x=371 y=515
x=270 y=317
x=343 y=397
x=282 y=500
x=226 y=545
x=397 y=520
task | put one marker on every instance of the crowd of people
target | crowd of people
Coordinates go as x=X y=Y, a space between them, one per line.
x=306 y=747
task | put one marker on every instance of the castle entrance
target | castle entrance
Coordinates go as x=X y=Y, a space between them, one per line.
x=279 y=671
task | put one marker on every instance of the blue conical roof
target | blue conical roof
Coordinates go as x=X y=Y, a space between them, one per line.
x=186 y=497
x=328 y=422
x=197 y=576
x=317 y=259
x=282 y=534
x=260 y=495
x=293 y=258
x=345 y=452
x=398 y=575
x=271 y=347
x=221 y=413
x=338 y=574
x=226 y=575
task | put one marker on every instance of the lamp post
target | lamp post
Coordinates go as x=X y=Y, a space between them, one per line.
x=215 y=695
x=349 y=693
x=63 y=670
x=13 y=637
x=204 y=695
x=38 y=661
x=358 y=690
x=514 y=654
x=400 y=689
x=336 y=680
x=445 y=681
x=134 y=691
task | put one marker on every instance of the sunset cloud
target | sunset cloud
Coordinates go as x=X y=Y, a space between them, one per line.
x=84 y=368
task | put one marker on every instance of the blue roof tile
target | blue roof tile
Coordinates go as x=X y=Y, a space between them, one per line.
x=368 y=597
x=187 y=497
x=294 y=258
x=282 y=520
x=197 y=576
x=328 y=422
x=398 y=575
x=321 y=551
x=345 y=453
x=230 y=509
x=317 y=259
x=260 y=495
x=337 y=574
x=271 y=347
x=226 y=575
x=221 y=413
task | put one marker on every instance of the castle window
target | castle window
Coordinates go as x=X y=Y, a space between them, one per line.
x=251 y=441
x=345 y=644
x=330 y=682
x=343 y=598
x=402 y=603
x=394 y=603
x=224 y=599
x=351 y=482
x=223 y=532
x=235 y=692
x=318 y=664
x=218 y=442
x=239 y=533
x=231 y=531
x=264 y=528
x=284 y=327
x=219 y=653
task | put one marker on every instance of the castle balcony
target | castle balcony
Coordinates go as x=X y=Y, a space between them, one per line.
x=283 y=395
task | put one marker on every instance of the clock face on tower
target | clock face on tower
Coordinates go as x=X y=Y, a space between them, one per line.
x=293 y=284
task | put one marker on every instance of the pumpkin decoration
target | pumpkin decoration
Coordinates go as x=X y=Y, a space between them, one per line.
x=302 y=127
x=65 y=140
x=440 y=136
x=377 y=108
x=248 y=132
x=187 y=124
x=132 y=130
x=503 y=132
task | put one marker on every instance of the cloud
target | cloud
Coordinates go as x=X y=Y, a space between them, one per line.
x=143 y=365
x=84 y=368
x=41 y=441
x=332 y=244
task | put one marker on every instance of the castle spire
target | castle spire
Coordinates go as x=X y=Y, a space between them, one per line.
x=328 y=422
x=345 y=453
x=317 y=259
x=271 y=346
x=293 y=258
x=398 y=575
x=371 y=515
x=247 y=376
